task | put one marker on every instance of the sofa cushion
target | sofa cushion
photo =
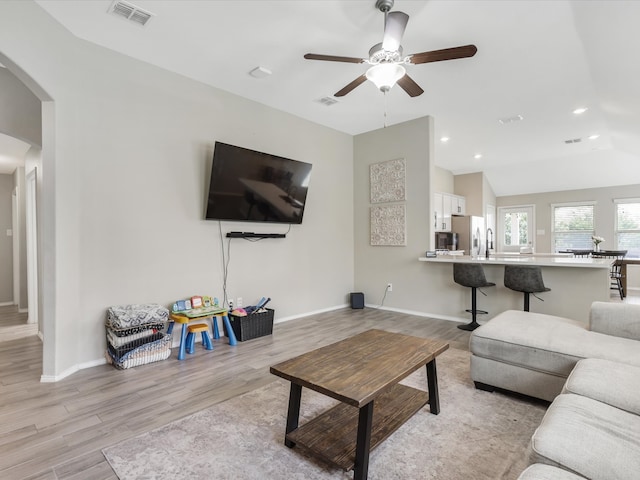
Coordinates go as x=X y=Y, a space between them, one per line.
x=590 y=438
x=540 y=471
x=616 y=384
x=515 y=378
x=547 y=343
x=618 y=319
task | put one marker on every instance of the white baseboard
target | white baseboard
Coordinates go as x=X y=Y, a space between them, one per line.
x=72 y=370
x=93 y=363
x=57 y=378
x=23 y=310
x=6 y=304
x=422 y=314
x=314 y=312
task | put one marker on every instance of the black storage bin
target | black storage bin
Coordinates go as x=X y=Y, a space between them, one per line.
x=251 y=326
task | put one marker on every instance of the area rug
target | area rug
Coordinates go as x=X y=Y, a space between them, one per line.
x=477 y=435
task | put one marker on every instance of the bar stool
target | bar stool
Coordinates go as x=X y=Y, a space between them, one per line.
x=203 y=329
x=526 y=279
x=471 y=275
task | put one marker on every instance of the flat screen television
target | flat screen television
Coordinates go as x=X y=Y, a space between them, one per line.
x=256 y=187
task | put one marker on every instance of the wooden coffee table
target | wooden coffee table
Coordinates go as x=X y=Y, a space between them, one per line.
x=360 y=371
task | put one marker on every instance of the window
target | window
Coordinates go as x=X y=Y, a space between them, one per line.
x=573 y=226
x=628 y=226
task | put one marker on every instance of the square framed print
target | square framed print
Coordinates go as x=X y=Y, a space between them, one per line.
x=388 y=181
x=389 y=226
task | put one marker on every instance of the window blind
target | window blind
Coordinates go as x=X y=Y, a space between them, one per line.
x=573 y=226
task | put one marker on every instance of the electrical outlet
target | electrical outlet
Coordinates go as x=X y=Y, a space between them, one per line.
x=239 y=304
x=389 y=287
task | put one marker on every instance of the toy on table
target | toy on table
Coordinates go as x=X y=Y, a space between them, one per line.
x=194 y=303
x=197 y=307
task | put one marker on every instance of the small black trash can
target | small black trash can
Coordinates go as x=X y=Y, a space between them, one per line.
x=357 y=299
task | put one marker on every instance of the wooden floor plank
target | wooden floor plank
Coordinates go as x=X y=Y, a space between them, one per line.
x=83 y=420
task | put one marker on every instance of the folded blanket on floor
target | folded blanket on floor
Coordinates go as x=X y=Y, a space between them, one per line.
x=118 y=341
x=126 y=316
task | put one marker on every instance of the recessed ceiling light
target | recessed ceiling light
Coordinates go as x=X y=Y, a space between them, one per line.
x=594 y=136
x=444 y=139
x=580 y=111
x=477 y=156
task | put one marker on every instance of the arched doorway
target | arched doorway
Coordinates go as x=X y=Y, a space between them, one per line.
x=40 y=205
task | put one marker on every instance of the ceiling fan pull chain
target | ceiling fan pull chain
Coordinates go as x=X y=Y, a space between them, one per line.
x=385 y=109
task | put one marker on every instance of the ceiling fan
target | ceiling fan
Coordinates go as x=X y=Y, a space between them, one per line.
x=386 y=58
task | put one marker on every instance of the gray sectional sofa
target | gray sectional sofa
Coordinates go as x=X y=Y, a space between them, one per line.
x=533 y=354
x=590 y=373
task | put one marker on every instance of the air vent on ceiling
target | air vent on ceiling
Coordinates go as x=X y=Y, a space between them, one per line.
x=573 y=140
x=130 y=12
x=327 y=101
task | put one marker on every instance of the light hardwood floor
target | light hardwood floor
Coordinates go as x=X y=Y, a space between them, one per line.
x=13 y=324
x=57 y=430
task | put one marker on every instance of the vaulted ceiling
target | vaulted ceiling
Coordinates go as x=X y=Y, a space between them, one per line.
x=536 y=59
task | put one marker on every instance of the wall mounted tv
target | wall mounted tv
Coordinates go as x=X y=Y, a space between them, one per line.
x=257 y=187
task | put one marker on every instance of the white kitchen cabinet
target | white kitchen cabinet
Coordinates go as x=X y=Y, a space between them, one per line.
x=460 y=204
x=445 y=205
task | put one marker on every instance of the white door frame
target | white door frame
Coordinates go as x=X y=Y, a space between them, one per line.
x=531 y=226
x=32 y=245
x=15 y=228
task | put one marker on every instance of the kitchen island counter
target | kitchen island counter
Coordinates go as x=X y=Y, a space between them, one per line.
x=574 y=282
x=541 y=260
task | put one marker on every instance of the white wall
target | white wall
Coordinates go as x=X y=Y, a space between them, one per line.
x=20 y=115
x=604 y=209
x=378 y=265
x=443 y=180
x=132 y=147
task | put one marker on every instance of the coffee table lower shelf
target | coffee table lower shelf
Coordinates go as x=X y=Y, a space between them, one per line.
x=332 y=435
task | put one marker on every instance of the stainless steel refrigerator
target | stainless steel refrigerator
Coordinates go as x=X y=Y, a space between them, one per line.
x=471 y=234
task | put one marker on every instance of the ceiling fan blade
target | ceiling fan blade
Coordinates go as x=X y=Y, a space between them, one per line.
x=409 y=86
x=358 y=81
x=394 y=26
x=444 y=54
x=333 y=58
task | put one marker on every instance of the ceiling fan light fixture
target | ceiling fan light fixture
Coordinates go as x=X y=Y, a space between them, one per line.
x=385 y=75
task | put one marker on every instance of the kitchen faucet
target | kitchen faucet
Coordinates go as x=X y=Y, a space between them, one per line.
x=489 y=243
